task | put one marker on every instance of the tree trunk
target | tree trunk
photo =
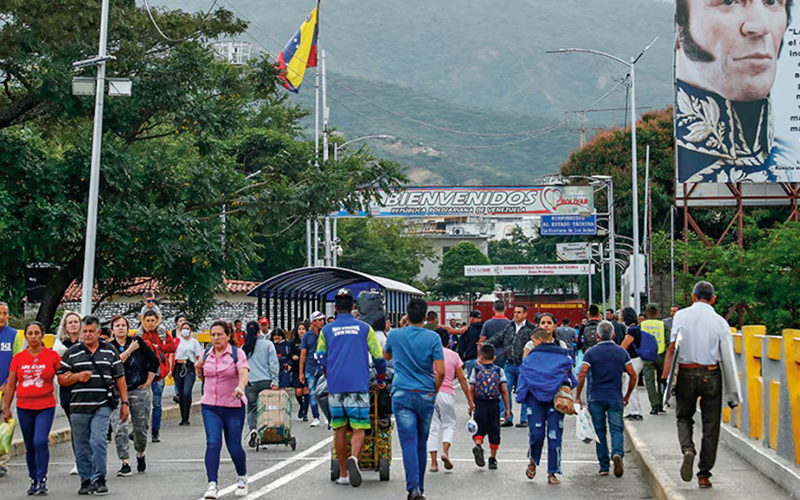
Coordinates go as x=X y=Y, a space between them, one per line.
x=55 y=292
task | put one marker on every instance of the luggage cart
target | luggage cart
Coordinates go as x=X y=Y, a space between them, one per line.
x=274 y=419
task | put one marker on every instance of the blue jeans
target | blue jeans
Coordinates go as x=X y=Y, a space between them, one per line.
x=311 y=381
x=413 y=412
x=35 y=426
x=158 y=393
x=90 y=438
x=599 y=410
x=219 y=419
x=512 y=374
x=545 y=421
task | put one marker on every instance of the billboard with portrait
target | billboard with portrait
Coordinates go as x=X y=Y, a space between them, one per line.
x=737 y=91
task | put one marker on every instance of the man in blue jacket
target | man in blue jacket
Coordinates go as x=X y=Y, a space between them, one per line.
x=346 y=345
x=10 y=344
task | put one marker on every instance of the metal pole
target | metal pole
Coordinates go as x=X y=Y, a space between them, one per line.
x=635 y=189
x=646 y=243
x=590 y=274
x=316 y=242
x=672 y=251
x=94 y=176
x=328 y=258
x=325 y=153
x=603 y=275
x=308 y=243
x=612 y=279
x=336 y=242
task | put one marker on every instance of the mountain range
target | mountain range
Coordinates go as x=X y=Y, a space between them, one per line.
x=433 y=75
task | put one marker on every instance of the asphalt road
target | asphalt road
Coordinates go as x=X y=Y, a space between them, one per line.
x=176 y=471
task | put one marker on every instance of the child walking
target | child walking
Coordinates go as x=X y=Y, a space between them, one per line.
x=443 y=423
x=487 y=384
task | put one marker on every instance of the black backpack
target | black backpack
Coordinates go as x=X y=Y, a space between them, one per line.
x=371 y=310
x=590 y=335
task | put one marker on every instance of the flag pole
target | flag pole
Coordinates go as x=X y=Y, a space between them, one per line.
x=316 y=143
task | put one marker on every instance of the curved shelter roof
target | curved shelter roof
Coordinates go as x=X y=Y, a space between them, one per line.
x=313 y=286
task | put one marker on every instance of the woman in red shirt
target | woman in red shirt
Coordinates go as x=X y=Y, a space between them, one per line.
x=31 y=378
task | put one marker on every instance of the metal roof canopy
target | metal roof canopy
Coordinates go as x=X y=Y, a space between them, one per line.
x=296 y=293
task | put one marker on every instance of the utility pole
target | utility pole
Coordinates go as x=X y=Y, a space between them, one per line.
x=94 y=176
x=328 y=259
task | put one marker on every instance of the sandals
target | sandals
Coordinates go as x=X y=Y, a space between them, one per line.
x=552 y=479
x=530 y=472
x=448 y=465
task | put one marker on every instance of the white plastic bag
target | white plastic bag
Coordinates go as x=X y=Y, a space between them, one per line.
x=584 y=429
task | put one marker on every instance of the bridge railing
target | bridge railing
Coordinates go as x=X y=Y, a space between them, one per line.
x=769 y=371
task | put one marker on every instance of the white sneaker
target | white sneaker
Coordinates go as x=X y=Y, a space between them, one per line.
x=315 y=423
x=343 y=480
x=241 y=487
x=211 y=492
x=74 y=471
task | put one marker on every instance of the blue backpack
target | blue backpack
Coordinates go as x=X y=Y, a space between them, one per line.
x=234 y=353
x=648 y=347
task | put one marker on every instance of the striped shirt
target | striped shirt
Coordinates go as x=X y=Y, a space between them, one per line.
x=89 y=396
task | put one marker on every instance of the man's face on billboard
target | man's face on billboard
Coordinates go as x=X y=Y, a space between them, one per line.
x=731 y=46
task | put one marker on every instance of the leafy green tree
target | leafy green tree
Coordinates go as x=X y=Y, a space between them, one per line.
x=383 y=247
x=452 y=282
x=176 y=156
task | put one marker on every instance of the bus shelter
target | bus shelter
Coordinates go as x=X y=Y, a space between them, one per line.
x=290 y=297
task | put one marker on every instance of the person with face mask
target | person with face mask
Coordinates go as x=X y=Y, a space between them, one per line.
x=187 y=353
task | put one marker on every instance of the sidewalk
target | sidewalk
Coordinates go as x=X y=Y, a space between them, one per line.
x=656 y=449
x=60 y=432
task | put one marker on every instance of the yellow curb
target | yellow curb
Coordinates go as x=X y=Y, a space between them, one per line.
x=64 y=434
x=660 y=483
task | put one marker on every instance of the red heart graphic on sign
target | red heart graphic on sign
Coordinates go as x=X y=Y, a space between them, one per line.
x=551 y=199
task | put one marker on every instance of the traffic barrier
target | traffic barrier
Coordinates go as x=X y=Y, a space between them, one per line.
x=769 y=370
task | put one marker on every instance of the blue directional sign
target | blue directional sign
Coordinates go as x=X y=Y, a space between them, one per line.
x=568 y=225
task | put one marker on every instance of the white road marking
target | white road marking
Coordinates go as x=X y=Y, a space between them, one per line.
x=280 y=465
x=287 y=478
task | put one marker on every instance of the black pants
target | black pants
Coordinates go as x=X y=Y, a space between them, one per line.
x=706 y=384
x=184 y=382
x=487 y=416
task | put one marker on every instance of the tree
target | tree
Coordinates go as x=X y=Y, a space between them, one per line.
x=175 y=155
x=383 y=247
x=452 y=282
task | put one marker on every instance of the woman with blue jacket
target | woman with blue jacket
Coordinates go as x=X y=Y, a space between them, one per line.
x=541 y=375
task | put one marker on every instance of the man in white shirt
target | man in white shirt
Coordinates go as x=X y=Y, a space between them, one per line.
x=704 y=334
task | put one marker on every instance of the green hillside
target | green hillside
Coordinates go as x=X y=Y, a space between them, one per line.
x=474 y=66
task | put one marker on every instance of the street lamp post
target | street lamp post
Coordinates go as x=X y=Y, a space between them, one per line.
x=337 y=147
x=634 y=167
x=94 y=175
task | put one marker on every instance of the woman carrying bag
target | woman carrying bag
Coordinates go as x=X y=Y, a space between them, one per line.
x=542 y=374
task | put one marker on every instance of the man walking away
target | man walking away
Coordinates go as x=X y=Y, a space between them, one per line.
x=468 y=343
x=587 y=336
x=344 y=347
x=91 y=368
x=567 y=334
x=704 y=334
x=652 y=370
x=619 y=328
x=605 y=363
x=416 y=351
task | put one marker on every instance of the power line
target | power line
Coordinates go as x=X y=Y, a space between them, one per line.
x=158 y=28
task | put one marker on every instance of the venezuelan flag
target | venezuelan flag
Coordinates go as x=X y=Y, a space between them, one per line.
x=300 y=53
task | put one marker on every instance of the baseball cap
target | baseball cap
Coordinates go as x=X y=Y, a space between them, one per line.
x=263 y=320
x=317 y=315
x=475 y=314
x=344 y=292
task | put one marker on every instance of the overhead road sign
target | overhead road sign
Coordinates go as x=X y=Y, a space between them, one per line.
x=572 y=251
x=529 y=270
x=568 y=225
x=459 y=201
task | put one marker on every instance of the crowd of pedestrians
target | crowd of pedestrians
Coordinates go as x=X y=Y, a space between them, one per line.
x=114 y=388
